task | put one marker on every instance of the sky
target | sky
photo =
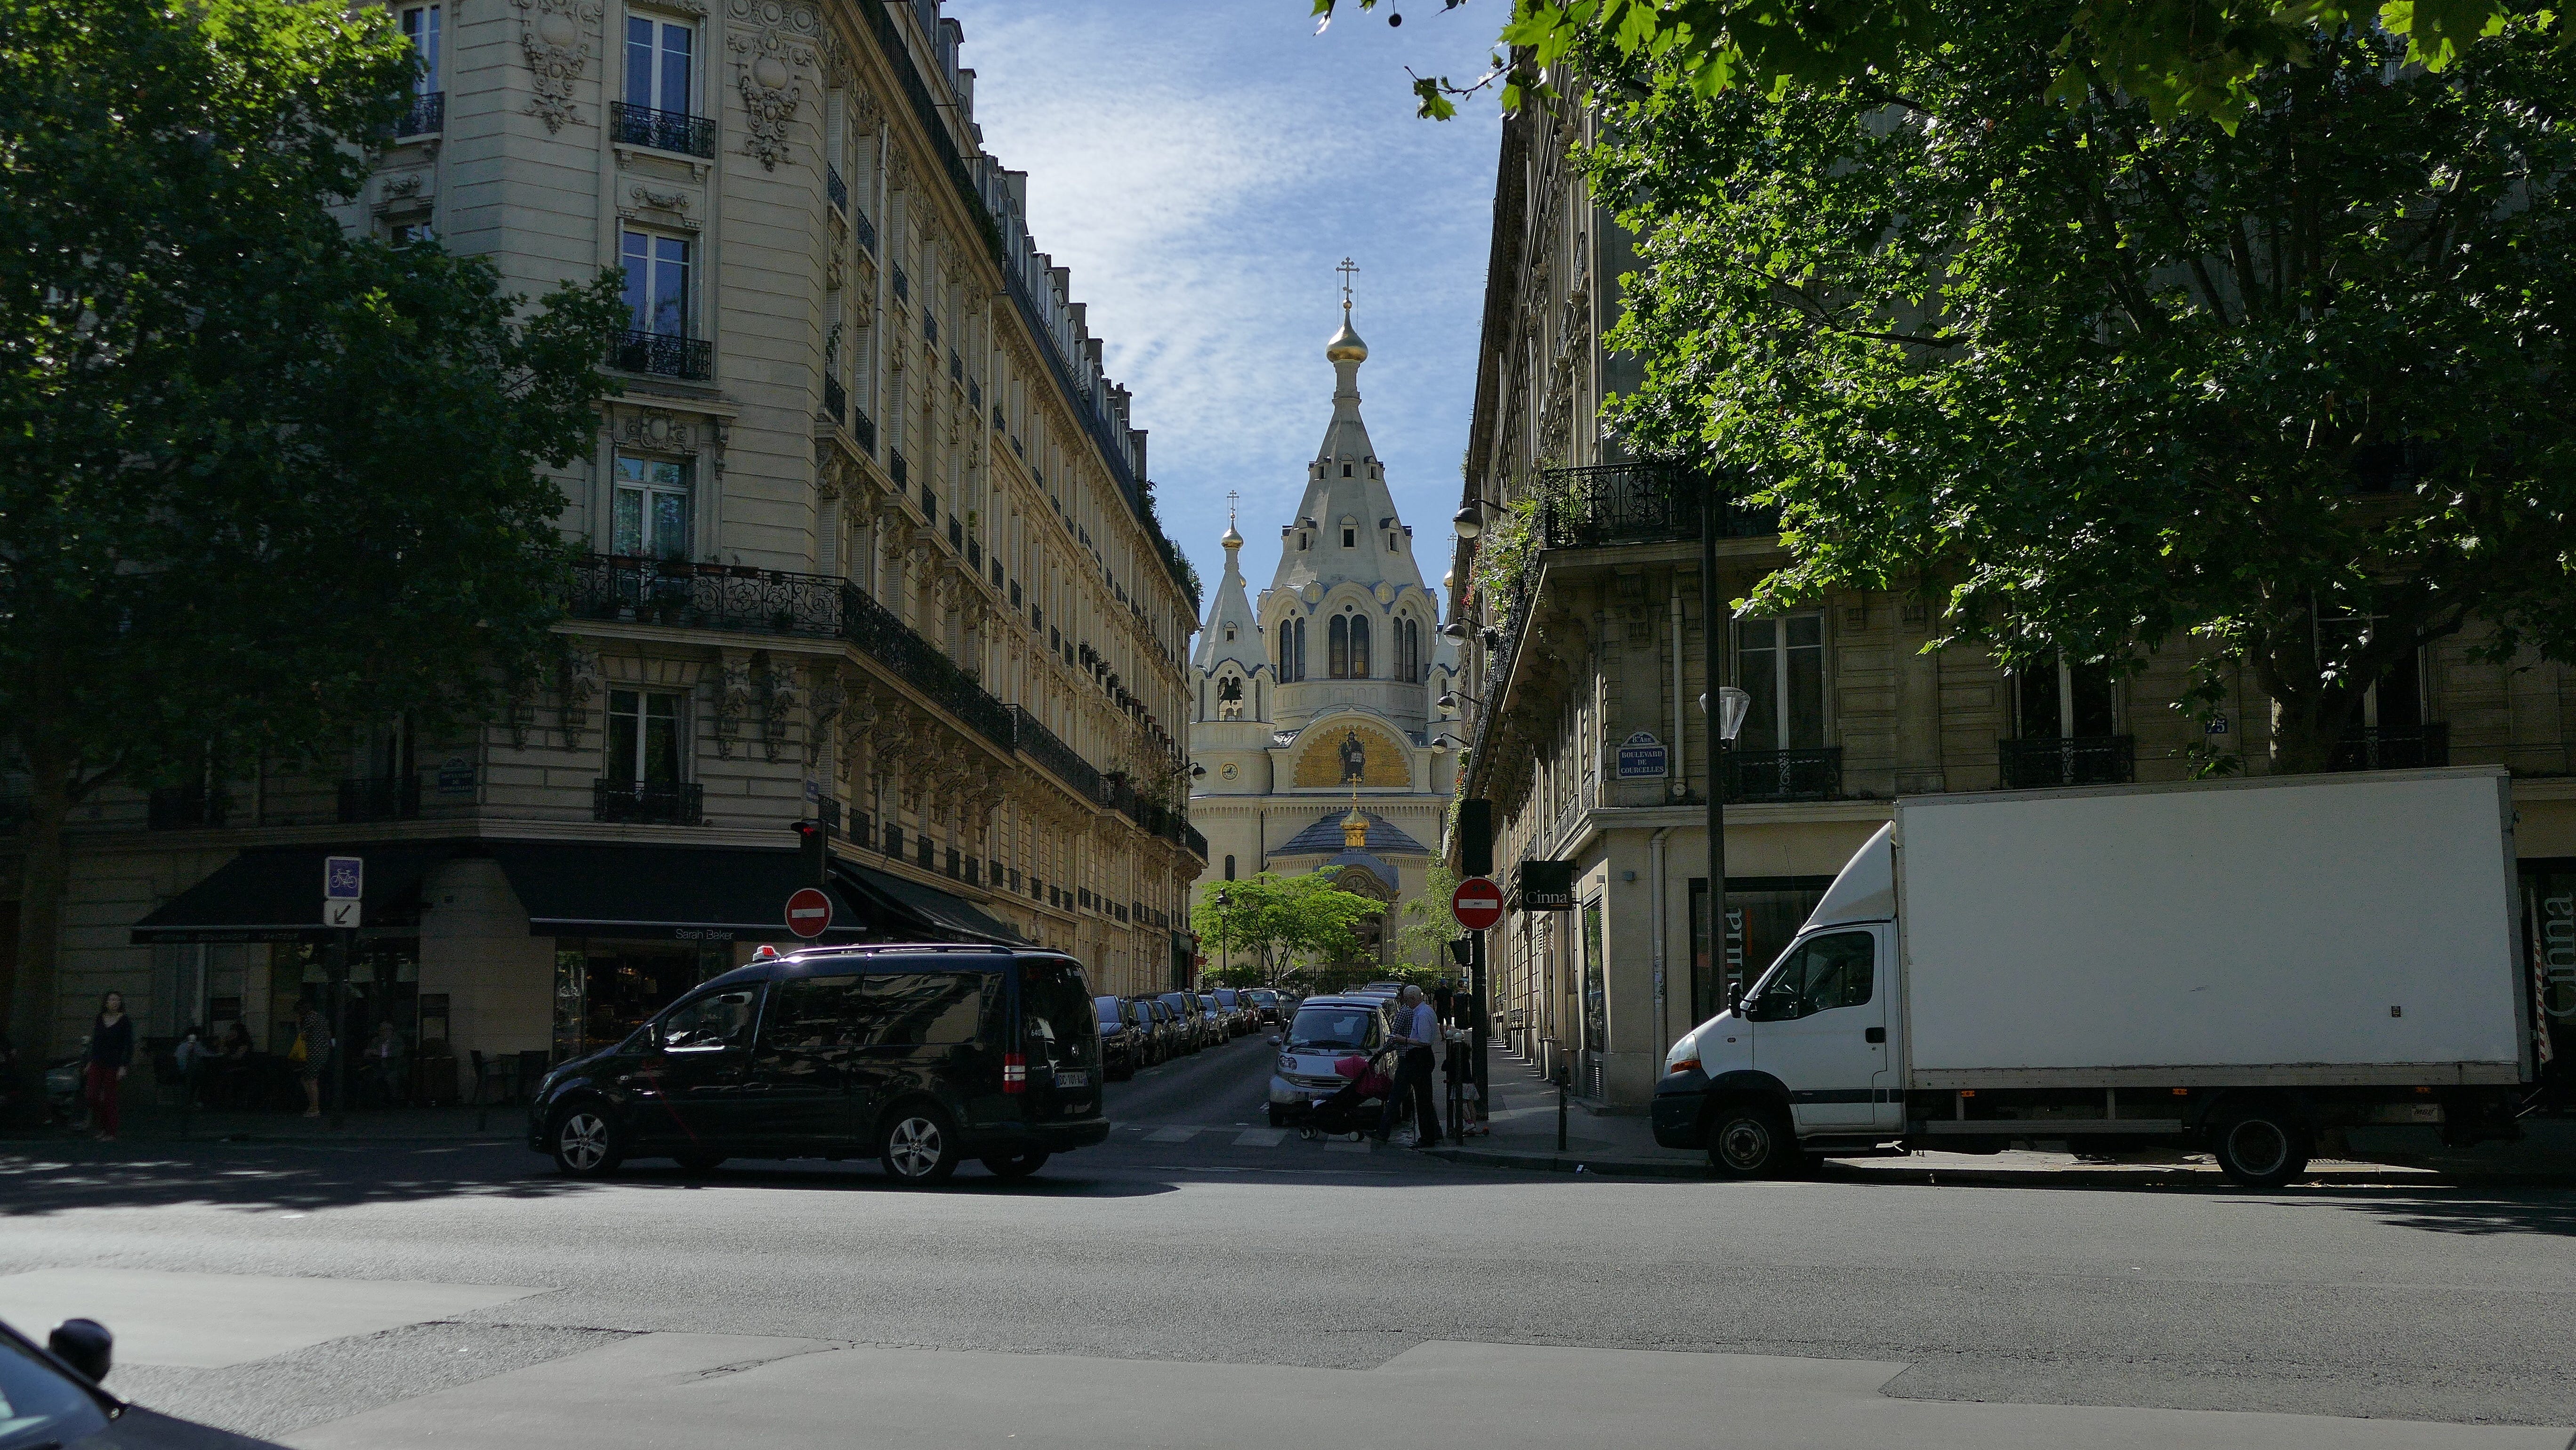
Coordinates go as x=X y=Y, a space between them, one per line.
x=1202 y=166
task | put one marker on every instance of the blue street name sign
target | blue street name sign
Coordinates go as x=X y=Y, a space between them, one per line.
x=1641 y=756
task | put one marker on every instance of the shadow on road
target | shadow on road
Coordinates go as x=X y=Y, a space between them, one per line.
x=271 y=1178
x=2471 y=1212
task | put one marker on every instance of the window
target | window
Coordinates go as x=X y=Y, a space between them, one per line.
x=658 y=66
x=1229 y=868
x=2063 y=700
x=1824 y=973
x=420 y=28
x=1359 y=647
x=713 y=1022
x=643 y=738
x=1337 y=657
x=1350 y=538
x=1346 y=470
x=410 y=234
x=652 y=512
x=1229 y=634
x=1783 y=667
x=1229 y=698
x=1390 y=543
x=657 y=283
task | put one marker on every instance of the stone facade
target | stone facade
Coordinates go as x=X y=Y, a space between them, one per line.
x=866 y=539
x=1596 y=664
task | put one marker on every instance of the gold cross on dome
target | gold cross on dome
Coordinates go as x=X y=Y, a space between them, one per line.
x=1232 y=496
x=1346 y=269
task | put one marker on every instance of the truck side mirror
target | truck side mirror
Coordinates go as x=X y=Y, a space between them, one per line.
x=85 y=1345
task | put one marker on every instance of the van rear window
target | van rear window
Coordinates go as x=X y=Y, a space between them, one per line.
x=1056 y=1017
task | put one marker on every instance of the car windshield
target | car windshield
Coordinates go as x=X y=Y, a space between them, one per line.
x=39 y=1405
x=1110 y=1016
x=1317 y=1028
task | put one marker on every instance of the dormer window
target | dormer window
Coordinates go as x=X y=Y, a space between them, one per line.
x=1346 y=470
x=1229 y=634
x=1350 y=538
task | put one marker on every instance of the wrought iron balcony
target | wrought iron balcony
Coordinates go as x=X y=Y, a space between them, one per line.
x=683 y=595
x=867 y=230
x=956 y=533
x=892 y=643
x=863 y=428
x=426 y=117
x=901 y=470
x=835 y=188
x=1784 y=775
x=2392 y=747
x=380 y=798
x=640 y=803
x=662 y=355
x=902 y=284
x=186 y=808
x=1634 y=503
x=836 y=401
x=828 y=811
x=662 y=130
x=2069 y=760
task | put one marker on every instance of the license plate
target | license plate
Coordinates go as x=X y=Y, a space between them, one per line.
x=1072 y=1079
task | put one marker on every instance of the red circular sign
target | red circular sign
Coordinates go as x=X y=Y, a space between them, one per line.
x=1477 y=903
x=809 y=913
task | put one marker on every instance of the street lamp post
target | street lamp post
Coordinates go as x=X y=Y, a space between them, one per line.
x=1723 y=722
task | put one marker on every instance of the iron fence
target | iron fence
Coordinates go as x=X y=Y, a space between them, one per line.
x=836 y=401
x=863 y=428
x=648 y=803
x=684 y=595
x=835 y=188
x=663 y=355
x=1042 y=745
x=380 y=798
x=2392 y=747
x=662 y=130
x=2070 y=760
x=1784 y=775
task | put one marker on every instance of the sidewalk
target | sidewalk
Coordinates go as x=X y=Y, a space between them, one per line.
x=1524 y=1108
x=165 y=1123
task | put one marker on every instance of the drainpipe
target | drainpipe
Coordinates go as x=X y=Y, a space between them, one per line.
x=1681 y=761
x=1655 y=917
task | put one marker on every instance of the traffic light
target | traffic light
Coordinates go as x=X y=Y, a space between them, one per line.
x=813 y=853
x=1475 y=838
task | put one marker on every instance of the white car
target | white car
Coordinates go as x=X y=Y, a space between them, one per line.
x=1325 y=1030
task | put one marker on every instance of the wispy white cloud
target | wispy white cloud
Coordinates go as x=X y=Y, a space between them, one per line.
x=1201 y=168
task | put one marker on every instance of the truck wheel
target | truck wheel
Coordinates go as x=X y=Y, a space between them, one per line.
x=2260 y=1147
x=1752 y=1140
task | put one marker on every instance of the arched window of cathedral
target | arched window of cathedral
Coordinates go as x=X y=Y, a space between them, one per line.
x=1229 y=698
x=1359 y=647
x=1337 y=658
x=1301 y=649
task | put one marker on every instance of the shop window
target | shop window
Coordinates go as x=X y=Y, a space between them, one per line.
x=1782 y=664
x=643 y=737
x=1762 y=915
x=651 y=515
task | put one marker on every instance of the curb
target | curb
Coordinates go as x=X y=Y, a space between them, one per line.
x=2397 y=1176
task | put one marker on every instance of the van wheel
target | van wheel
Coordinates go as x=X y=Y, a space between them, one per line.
x=920 y=1145
x=698 y=1162
x=1752 y=1140
x=586 y=1143
x=2260 y=1147
x=1017 y=1165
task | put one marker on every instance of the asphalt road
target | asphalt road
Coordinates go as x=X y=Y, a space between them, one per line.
x=364 y=1278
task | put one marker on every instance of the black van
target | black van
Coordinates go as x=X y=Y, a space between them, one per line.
x=920 y=1055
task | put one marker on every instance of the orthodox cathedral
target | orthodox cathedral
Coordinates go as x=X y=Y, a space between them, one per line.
x=1317 y=743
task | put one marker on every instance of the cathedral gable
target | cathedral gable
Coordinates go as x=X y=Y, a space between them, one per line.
x=1328 y=750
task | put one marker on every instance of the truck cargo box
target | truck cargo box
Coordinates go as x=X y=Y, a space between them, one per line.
x=2334 y=929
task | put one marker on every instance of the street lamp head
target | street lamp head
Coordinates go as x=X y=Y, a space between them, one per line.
x=1732 y=706
x=1453 y=630
x=1448 y=700
x=1469 y=521
x=1197 y=771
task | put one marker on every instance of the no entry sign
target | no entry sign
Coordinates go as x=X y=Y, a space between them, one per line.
x=1477 y=903
x=809 y=913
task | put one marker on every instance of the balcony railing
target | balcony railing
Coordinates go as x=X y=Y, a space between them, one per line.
x=1040 y=744
x=901 y=470
x=380 y=798
x=863 y=428
x=426 y=117
x=835 y=188
x=867 y=230
x=662 y=355
x=683 y=595
x=892 y=643
x=1632 y=503
x=638 y=803
x=662 y=130
x=185 y=808
x=1784 y=775
x=2070 y=760
x=2392 y=747
x=836 y=401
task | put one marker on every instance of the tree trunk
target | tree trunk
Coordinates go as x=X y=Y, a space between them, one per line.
x=44 y=870
x=2302 y=744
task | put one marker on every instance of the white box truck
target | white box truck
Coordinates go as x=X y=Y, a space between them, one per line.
x=2233 y=965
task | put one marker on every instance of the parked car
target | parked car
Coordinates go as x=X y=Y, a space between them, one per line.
x=1325 y=1030
x=1193 y=1023
x=922 y=1056
x=1167 y=1027
x=52 y=1395
x=1240 y=1017
x=1122 y=1040
x=1266 y=1004
x=1219 y=1031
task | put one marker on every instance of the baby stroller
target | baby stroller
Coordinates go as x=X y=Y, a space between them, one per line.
x=1358 y=1105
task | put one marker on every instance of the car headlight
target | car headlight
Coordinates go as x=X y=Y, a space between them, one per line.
x=1287 y=1063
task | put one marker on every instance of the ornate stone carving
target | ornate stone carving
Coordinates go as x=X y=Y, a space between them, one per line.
x=771 y=71
x=555 y=37
x=898 y=168
x=733 y=697
x=779 y=694
x=660 y=208
x=581 y=685
x=655 y=430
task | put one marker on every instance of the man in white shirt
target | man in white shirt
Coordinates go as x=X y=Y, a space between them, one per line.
x=1417 y=1031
